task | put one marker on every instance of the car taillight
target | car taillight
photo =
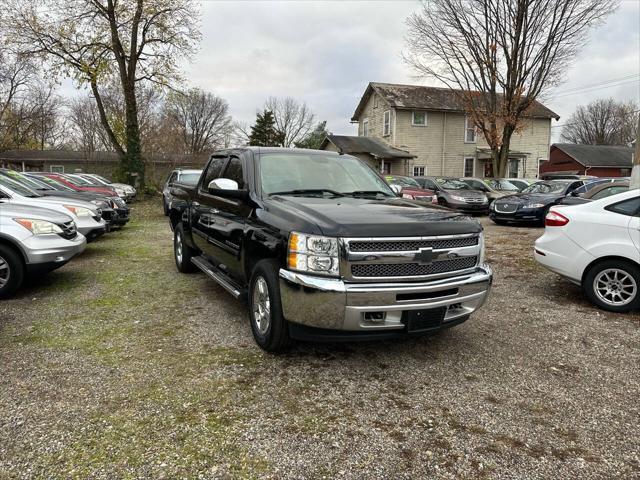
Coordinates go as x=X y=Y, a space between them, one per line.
x=555 y=219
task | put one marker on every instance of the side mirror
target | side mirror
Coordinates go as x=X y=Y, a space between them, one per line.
x=227 y=188
x=397 y=189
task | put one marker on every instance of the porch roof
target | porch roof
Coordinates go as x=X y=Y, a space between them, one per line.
x=372 y=146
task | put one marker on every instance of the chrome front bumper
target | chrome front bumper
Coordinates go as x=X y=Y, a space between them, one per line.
x=337 y=305
x=52 y=248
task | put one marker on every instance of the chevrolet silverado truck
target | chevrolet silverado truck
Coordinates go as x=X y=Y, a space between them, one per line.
x=321 y=248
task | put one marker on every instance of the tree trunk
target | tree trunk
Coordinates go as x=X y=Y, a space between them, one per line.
x=132 y=165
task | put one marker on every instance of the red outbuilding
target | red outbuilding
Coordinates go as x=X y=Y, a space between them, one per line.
x=596 y=160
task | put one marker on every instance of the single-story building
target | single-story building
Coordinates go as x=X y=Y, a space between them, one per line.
x=596 y=160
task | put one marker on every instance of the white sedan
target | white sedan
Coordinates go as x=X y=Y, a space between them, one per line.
x=597 y=245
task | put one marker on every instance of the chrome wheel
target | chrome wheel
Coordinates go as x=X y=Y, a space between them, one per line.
x=5 y=272
x=615 y=287
x=178 y=248
x=261 y=305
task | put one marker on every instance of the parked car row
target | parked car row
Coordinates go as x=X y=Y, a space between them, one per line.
x=46 y=219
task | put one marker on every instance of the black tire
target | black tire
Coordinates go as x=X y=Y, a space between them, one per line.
x=12 y=271
x=274 y=336
x=182 y=253
x=606 y=268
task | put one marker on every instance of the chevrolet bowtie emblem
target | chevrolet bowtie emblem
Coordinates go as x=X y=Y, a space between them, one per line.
x=424 y=256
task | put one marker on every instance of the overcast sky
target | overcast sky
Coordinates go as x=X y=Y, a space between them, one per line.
x=325 y=53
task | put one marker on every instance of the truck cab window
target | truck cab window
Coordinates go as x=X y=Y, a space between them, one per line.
x=234 y=171
x=213 y=171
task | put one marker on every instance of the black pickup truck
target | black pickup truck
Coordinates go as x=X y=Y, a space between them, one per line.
x=323 y=249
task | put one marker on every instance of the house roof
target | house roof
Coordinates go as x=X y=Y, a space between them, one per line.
x=597 y=155
x=428 y=98
x=372 y=146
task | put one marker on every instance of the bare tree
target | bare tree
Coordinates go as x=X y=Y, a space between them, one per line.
x=86 y=131
x=293 y=120
x=17 y=74
x=202 y=119
x=500 y=56
x=94 y=41
x=602 y=122
x=48 y=119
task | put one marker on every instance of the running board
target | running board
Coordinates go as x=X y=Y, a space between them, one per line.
x=219 y=277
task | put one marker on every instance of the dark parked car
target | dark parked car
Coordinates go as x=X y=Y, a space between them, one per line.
x=322 y=248
x=411 y=189
x=601 y=190
x=533 y=203
x=455 y=194
x=186 y=177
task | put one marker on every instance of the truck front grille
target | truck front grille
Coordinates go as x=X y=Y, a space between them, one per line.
x=411 y=245
x=412 y=269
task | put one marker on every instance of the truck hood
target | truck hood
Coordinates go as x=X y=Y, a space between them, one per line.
x=365 y=217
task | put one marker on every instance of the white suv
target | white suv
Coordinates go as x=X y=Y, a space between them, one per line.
x=597 y=245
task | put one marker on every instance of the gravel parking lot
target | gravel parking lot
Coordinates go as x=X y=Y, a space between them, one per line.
x=118 y=366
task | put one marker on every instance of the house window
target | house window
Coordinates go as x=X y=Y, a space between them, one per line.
x=56 y=169
x=514 y=168
x=469 y=167
x=419 y=119
x=469 y=131
x=419 y=170
x=365 y=127
x=386 y=123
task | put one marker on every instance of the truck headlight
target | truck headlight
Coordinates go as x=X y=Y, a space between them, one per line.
x=313 y=254
x=80 y=211
x=482 y=256
x=38 y=227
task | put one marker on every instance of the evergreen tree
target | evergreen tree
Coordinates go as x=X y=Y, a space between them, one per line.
x=315 y=137
x=264 y=132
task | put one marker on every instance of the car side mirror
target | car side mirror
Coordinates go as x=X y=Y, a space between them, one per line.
x=397 y=189
x=225 y=187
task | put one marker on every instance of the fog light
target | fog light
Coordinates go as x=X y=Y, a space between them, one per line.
x=455 y=306
x=375 y=317
x=59 y=259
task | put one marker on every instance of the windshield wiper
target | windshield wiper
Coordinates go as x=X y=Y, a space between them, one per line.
x=367 y=192
x=306 y=191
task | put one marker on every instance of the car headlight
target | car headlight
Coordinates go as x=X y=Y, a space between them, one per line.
x=120 y=192
x=408 y=195
x=80 y=211
x=38 y=227
x=458 y=198
x=534 y=205
x=485 y=199
x=313 y=254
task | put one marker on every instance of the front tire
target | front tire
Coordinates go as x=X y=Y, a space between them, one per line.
x=268 y=325
x=182 y=252
x=12 y=271
x=613 y=285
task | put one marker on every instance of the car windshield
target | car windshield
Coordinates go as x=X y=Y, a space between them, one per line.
x=403 y=181
x=607 y=192
x=100 y=178
x=18 y=187
x=315 y=173
x=54 y=185
x=505 y=185
x=451 y=184
x=189 y=178
x=82 y=181
x=542 y=187
x=93 y=180
x=475 y=184
x=24 y=180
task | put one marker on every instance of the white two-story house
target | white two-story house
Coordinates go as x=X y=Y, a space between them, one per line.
x=416 y=130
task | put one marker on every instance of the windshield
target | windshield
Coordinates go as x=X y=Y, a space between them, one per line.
x=92 y=180
x=100 y=178
x=505 y=185
x=542 y=187
x=55 y=185
x=77 y=180
x=403 y=181
x=18 y=187
x=189 y=178
x=607 y=192
x=24 y=180
x=286 y=172
x=476 y=184
x=451 y=184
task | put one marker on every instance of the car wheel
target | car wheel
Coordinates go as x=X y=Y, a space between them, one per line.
x=613 y=285
x=269 y=327
x=182 y=252
x=11 y=271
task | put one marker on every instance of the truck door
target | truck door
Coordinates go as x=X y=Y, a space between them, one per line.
x=203 y=206
x=228 y=221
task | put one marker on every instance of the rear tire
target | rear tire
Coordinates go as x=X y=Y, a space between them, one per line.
x=613 y=285
x=12 y=271
x=182 y=252
x=268 y=325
